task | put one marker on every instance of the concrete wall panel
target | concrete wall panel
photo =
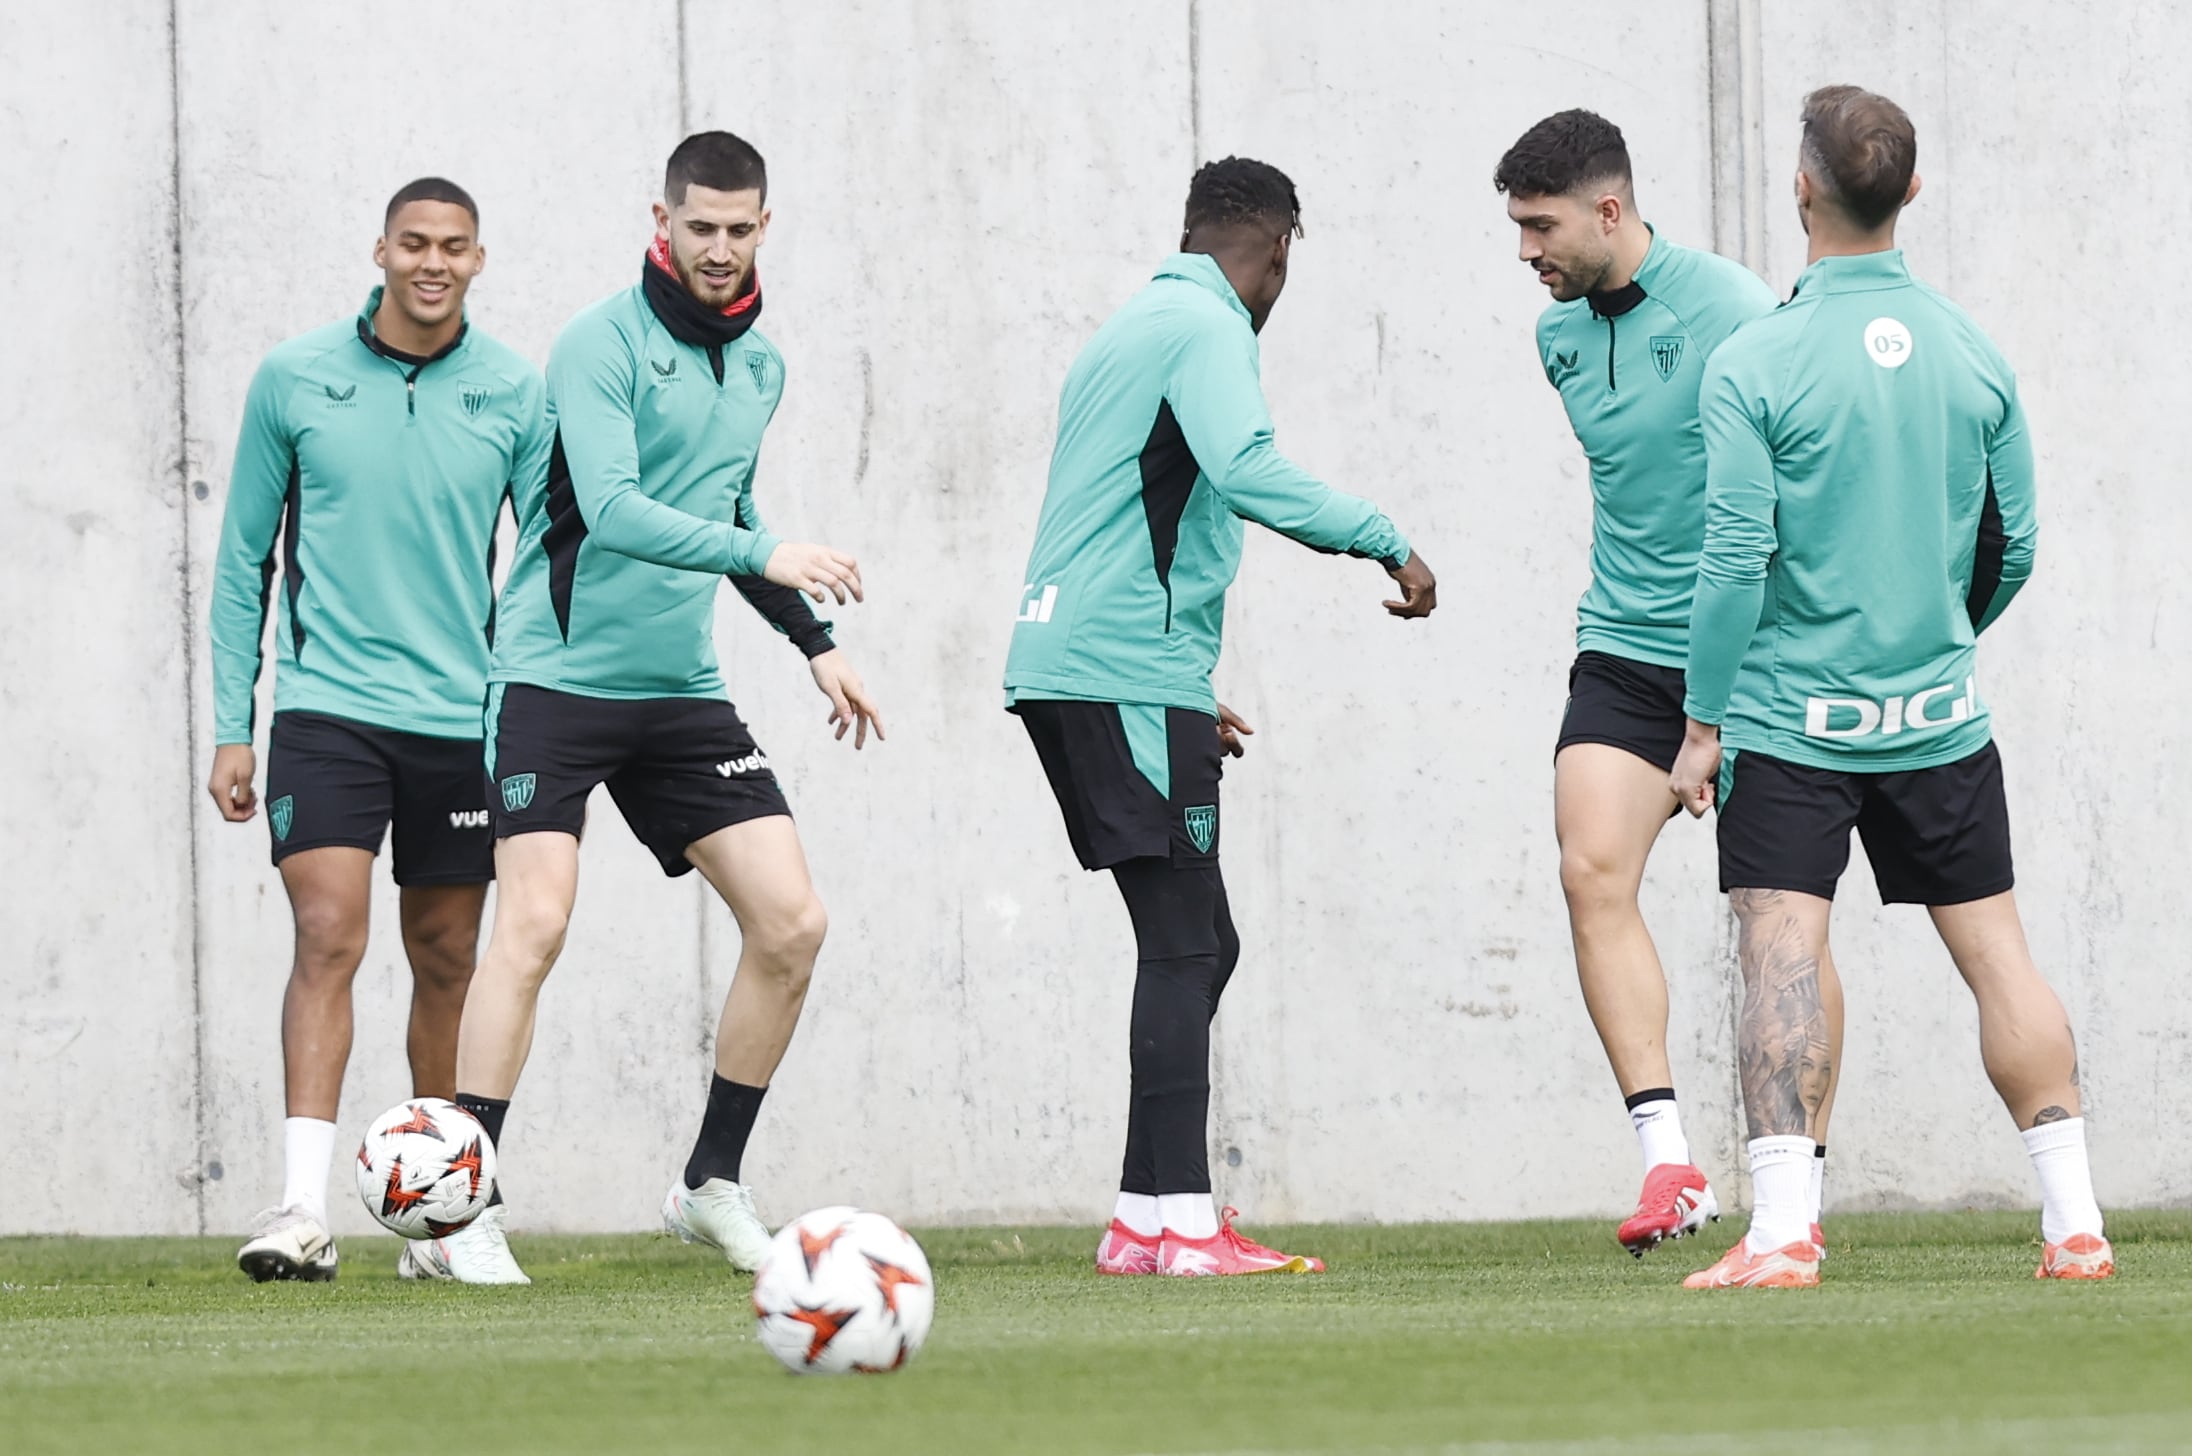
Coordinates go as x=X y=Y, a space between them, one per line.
x=962 y=193
x=96 y=958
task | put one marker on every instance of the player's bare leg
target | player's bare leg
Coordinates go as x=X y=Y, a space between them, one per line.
x=1787 y=1063
x=1608 y=808
x=536 y=883
x=441 y=925
x=330 y=894
x=2032 y=1060
x=760 y=871
x=1830 y=997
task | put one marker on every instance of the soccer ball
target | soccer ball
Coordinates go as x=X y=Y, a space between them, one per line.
x=426 y=1168
x=842 y=1290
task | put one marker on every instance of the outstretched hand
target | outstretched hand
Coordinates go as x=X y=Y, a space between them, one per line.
x=818 y=571
x=1418 y=588
x=850 y=706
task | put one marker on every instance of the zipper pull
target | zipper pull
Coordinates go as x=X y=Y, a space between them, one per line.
x=411 y=393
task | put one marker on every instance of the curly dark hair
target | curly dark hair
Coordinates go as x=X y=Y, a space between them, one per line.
x=1566 y=151
x=1237 y=192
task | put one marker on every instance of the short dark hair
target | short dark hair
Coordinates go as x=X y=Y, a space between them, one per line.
x=1564 y=153
x=429 y=189
x=715 y=160
x=1862 y=149
x=1238 y=192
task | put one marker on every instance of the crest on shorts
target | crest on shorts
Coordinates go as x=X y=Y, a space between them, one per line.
x=1666 y=354
x=517 y=792
x=757 y=364
x=475 y=398
x=1202 y=826
x=281 y=814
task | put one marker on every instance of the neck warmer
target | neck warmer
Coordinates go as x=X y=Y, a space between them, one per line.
x=688 y=319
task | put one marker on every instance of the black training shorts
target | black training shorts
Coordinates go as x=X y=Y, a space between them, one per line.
x=1118 y=806
x=679 y=769
x=1935 y=836
x=1636 y=706
x=336 y=781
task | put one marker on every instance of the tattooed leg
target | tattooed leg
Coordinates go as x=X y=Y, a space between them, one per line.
x=1785 y=1052
x=2024 y=1035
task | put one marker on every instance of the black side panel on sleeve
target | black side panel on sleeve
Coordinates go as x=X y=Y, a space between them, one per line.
x=1168 y=479
x=565 y=534
x=292 y=568
x=1986 y=562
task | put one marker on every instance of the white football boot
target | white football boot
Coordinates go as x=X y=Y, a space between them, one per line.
x=720 y=1213
x=288 y=1243
x=478 y=1253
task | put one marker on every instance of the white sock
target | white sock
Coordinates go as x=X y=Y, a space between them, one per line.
x=1818 y=1180
x=1780 y=1192
x=1659 y=1130
x=2066 y=1180
x=1190 y=1215
x=308 y=1148
x=1138 y=1211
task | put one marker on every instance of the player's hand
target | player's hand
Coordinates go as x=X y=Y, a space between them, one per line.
x=850 y=705
x=1696 y=776
x=1232 y=728
x=1418 y=588
x=816 y=570
x=234 y=766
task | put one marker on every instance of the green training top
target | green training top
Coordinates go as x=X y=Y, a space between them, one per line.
x=1869 y=511
x=1164 y=448
x=1627 y=364
x=383 y=473
x=646 y=506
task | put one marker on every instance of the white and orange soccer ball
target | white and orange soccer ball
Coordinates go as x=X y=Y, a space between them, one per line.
x=844 y=1291
x=426 y=1168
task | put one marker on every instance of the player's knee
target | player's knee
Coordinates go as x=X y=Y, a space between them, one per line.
x=330 y=940
x=442 y=954
x=1593 y=879
x=788 y=942
x=529 y=935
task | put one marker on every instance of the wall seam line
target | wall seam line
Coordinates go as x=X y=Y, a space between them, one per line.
x=189 y=614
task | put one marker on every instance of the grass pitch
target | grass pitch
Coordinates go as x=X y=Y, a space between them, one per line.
x=1929 y=1334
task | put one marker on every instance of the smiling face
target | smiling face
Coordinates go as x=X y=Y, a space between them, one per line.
x=713 y=237
x=1567 y=239
x=428 y=257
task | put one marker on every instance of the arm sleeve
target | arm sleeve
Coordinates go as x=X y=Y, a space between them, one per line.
x=591 y=374
x=2009 y=526
x=536 y=444
x=1218 y=399
x=1740 y=496
x=781 y=607
x=243 y=566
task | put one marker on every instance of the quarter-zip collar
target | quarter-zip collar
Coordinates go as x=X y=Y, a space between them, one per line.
x=410 y=364
x=1855 y=273
x=1203 y=269
x=1615 y=302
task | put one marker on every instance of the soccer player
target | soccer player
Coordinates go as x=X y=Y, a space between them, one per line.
x=380 y=448
x=1633 y=319
x=1164 y=448
x=605 y=672
x=1869 y=511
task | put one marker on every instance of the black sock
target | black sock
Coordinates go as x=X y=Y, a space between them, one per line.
x=1819 y=1150
x=490 y=1111
x=724 y=1128
x=1650 y=1094
x=1177 y=968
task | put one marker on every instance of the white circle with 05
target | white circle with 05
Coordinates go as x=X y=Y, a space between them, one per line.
x=1887 y=343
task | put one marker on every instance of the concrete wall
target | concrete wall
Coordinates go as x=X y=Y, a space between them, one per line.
x=963 y=189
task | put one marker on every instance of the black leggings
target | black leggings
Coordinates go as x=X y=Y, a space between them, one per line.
x=1185 y=951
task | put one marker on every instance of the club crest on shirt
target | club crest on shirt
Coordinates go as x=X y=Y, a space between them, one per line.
x=757 y=364
x=517 y=792
x=1666 y=354
x=1202 y=826
x=475 y=397
x=281 y=814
